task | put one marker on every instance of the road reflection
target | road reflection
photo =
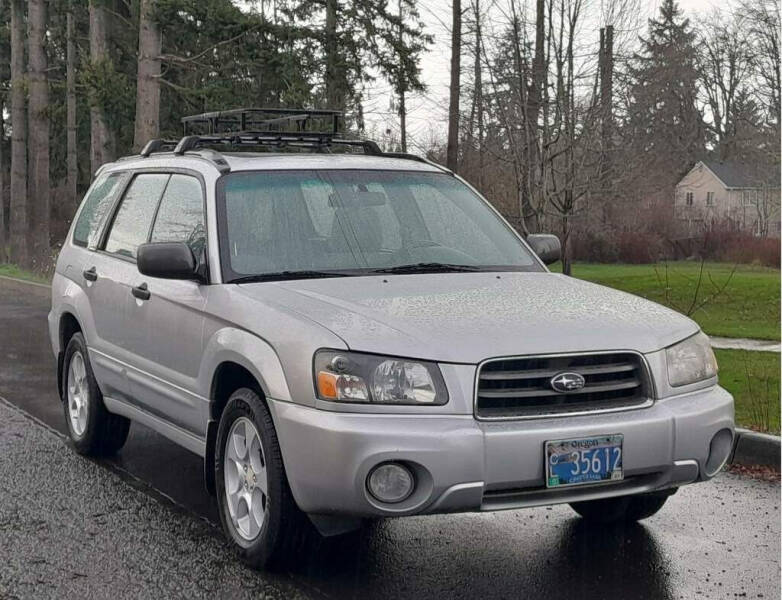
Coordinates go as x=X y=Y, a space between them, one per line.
x=469 y=556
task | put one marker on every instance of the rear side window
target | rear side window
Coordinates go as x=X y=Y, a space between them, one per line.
x=180 y=217
x=97 y=202
x=133 y=220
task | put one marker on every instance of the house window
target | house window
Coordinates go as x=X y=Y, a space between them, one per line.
x=688 y=198
x=709 y=198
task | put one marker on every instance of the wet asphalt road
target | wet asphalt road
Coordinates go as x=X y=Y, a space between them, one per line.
x=142 y=524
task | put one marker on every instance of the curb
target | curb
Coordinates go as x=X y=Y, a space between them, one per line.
x=751 y=448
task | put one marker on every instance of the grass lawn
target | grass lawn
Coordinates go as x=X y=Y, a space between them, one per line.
x=753 y=379
x=14 y=271
x=748 y=307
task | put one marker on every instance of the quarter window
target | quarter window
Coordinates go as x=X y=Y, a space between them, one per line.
x=95 y=206
x=709 y=198
x=180 y=217
x=688 y=198
x=134 y=218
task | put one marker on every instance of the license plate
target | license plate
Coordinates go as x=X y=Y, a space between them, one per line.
x=584 y=460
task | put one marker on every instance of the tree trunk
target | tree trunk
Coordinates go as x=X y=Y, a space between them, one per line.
x=38 y=118
x=148 y=81
x=18 y=207
x=534 y=101
x=334 y=93
x=567 y=265
x=402 y=86
x=403 y=121
x=479 y=93
x=452 y=153
x=71 y=159
x=102 y=147
x=606 y=106
x=2 y=182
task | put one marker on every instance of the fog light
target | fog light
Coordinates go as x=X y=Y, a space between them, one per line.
x=390 y=482
x=719 y=451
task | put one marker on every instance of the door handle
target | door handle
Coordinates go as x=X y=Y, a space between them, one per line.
x=140 y=291
x=90 y=274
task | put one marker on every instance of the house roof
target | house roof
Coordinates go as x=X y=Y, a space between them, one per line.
x=731 y=174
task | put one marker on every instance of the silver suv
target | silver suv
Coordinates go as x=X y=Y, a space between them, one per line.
x=352 y=336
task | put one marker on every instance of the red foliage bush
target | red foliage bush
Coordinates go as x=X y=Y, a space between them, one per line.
x=635 y=247
x=750 y=250
x=640 y=247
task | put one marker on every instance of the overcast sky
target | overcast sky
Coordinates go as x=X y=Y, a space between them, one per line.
x=427 y=113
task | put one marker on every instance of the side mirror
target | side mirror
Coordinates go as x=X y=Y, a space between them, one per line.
x=546 y=246
x=167 y=260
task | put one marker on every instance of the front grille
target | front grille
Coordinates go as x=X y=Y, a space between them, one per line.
x=520 y=387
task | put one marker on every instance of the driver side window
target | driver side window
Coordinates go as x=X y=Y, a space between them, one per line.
x=180 y=217
x=133 y=220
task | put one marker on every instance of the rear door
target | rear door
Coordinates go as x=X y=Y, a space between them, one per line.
x=79 y=261
x=168 y=325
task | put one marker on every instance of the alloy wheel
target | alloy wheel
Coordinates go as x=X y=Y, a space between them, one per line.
x=78 y=394
x=246 y=482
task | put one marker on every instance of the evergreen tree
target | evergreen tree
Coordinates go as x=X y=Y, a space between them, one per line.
x=664 y=127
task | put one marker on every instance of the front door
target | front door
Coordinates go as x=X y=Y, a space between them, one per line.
x=168 y=319
x=111 y=294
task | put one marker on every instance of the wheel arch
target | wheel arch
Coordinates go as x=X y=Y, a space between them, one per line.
x=68 y=326
x=229 y=376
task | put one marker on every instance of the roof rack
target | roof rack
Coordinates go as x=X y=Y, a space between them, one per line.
x=316 y=130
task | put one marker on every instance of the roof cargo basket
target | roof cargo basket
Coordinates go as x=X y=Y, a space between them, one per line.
x=263 y=120
x=273 y=128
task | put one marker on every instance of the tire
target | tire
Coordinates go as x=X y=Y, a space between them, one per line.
x=622 y=508
x=264 y=527
x=93 y=430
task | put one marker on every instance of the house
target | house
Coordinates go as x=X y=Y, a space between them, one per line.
x=725 y=194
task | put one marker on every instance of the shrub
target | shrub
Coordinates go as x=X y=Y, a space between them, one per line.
x=635 y=247
x=739 y=247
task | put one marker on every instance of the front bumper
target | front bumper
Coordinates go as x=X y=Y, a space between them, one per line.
x=462 y=464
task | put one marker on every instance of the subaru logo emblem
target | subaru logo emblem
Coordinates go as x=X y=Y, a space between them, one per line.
x=567 y=382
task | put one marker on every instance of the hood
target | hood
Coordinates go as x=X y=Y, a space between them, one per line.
x=469 y=317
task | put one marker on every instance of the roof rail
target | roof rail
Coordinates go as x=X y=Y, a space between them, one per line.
x=156 y=146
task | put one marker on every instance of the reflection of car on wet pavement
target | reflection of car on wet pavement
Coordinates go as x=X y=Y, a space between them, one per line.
x=344 y=336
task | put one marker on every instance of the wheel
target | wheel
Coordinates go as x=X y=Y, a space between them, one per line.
x=93 y=430
x=623 y=508
x=257 y=509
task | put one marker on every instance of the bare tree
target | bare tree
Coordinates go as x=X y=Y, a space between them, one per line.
x=724 y=65
x=18 y=207
x=452 y=152
x=71 y=158
x=103 y=145
x=148 y=81
x=762 y=21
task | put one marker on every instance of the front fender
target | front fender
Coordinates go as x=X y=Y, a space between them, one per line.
x=231 y=344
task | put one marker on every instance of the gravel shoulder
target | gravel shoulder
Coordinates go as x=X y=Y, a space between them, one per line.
x=70 y=528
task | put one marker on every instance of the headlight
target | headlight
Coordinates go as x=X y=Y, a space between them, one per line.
x=368 y=378
x=690 y=361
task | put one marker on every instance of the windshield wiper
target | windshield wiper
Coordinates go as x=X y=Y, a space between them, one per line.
x=430 y=267
x=282 y=275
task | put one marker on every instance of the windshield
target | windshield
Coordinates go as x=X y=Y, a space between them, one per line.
x=282 y=224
